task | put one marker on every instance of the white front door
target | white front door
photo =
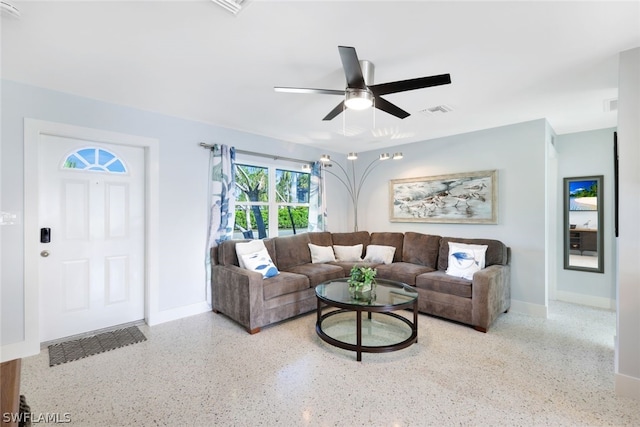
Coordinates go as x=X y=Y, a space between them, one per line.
x=92 y=198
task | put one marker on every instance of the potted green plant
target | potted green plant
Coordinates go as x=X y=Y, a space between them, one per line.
x=361 y=281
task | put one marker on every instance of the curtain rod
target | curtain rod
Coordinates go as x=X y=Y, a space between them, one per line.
x=253 y=153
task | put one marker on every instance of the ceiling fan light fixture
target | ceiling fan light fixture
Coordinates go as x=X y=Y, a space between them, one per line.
x=358 y=99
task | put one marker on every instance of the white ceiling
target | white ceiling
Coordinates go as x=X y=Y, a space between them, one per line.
x=509 y=62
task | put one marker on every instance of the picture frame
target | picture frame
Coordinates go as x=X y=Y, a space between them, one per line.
x=582 y=194
x=465 y=198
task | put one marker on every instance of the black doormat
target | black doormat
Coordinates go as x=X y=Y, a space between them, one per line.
x=84 y=347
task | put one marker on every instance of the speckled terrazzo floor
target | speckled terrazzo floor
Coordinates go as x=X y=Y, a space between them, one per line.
x=206 y=371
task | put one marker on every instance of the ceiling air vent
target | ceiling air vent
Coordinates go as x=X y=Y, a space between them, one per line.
x=437 y=110
x=611 y=105
x=233 y=6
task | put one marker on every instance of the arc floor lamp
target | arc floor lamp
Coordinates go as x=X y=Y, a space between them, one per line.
x=352 y=181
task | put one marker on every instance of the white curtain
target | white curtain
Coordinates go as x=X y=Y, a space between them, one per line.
x=222 y=202
x=317 y=207
x=222 y=191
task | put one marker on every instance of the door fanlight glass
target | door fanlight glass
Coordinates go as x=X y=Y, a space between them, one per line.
x=94 y=159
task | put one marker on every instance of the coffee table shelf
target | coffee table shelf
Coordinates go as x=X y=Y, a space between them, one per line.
x=384 y=332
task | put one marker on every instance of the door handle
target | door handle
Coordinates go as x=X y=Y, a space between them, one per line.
x=44 y=254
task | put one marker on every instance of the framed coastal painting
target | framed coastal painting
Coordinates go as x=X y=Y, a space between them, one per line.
x=470 y=198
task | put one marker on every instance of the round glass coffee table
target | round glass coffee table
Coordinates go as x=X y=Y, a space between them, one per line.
x=386 y=331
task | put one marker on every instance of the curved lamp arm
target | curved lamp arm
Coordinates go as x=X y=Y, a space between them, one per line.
x=348 y=186
x=350 y=182
x=365 y=174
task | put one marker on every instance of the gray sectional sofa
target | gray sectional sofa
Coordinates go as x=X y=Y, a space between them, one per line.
x=420 y=260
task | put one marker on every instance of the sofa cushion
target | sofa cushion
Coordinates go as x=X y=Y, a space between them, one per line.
x=402 y=271
x=318 y=273
x=380 y=253
x=348 y=253
x=348 y=265
x=227 y=252
x=465 y=259
x=421 y=249
x=496 y=251
x=320 y=238
x=284 y=283
x=246 y=248
x=439 y=281
x=350 y=239
x=227 y=255
x=389 y=239
x=320 y=254
x=292 y=251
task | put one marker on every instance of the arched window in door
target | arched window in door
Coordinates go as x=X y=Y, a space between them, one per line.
x=94 y=159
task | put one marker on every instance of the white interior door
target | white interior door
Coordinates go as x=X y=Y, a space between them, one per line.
x=91 y=273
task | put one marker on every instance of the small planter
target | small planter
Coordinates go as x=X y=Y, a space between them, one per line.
x=363 y=292
x=362 y=283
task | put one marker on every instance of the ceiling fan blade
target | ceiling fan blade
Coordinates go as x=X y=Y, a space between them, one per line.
x=339 y=108
x=351 y=65
x=411 y=84
x=308 y=90
x=384 y=105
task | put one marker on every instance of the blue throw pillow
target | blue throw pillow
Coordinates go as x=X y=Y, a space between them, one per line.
x=260 y=262
x=465 y=260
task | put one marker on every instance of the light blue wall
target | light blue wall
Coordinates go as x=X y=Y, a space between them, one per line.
x=518 y=153
x=587 y=154
x=183 y=186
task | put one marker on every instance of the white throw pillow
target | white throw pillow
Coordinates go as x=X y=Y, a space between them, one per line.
x=464 y=259
x=248 y=248
x=348 y=253
x=260 y=262
x=320 y=254
x=380 y=254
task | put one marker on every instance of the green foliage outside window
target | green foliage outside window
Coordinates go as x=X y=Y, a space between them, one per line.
x=252 y=185
x=300 y=217
x=292 y=187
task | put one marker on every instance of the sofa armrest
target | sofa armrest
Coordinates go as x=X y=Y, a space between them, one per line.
x=490 y=295
x=238 y=293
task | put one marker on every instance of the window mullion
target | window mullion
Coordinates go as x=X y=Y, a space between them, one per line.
x=273 y=207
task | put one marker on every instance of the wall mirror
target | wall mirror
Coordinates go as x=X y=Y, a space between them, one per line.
x=583 y=226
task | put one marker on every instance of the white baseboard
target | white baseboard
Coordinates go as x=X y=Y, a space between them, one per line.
x=590 y=300
x=535 y=310
x=627 y=386
x=178 y=313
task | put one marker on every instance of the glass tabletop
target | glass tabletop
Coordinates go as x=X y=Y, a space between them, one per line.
x=385 y=293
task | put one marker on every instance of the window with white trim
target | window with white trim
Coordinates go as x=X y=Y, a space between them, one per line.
x=270 y=201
